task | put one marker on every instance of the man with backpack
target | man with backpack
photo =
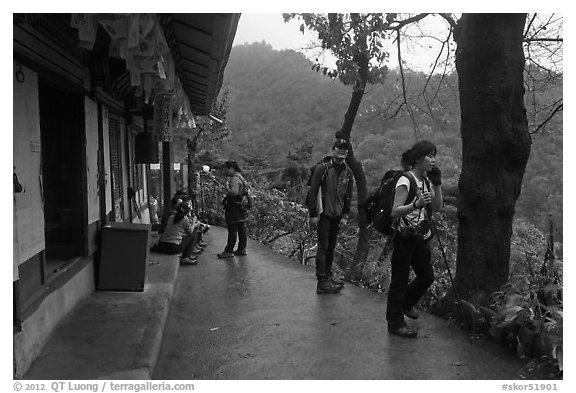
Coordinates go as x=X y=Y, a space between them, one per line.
x=329 y=200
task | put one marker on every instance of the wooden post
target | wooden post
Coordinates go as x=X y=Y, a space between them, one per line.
x=168 y=179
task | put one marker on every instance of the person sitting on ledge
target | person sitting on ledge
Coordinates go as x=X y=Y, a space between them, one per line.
x=179 y=235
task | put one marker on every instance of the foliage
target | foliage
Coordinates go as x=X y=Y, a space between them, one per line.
x=205 y=130
x=279 y=109
x=272 y=220
x=543 y=49
x=279 y=106
x=349 y=37
x=526 y=314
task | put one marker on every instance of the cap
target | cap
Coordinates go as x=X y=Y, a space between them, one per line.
x=341 y=144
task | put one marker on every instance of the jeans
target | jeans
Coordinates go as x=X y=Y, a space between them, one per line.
x=401 y=295
x=328 y=228
x=236 y=229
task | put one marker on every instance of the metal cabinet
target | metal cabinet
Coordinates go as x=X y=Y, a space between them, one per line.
x=124 y=256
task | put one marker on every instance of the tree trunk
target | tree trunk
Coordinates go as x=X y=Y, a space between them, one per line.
x=350 y=271
x=495 y=148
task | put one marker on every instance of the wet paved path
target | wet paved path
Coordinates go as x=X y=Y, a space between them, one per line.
x=259 y=317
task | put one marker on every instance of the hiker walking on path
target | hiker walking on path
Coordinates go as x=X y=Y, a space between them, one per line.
x=329 y=202
x=234 y=212
x=412 y=236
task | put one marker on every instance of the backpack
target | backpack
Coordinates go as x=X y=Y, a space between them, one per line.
x=326 y=162
x=245 y=197
x=246 y=201
x=378 y=206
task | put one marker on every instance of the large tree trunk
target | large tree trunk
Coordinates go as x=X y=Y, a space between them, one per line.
x=495 y=148
x=350 y=271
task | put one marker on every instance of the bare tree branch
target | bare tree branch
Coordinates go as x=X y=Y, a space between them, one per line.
x=402 y=23
x=444 y=43
x=416 y=129
x=553 y=104
x=530 y=25
x=547 y=70
x=542 y=27
x=543 y=39
x=396 y=112
x=392 y=102
x=277 y=237
x=558 y=108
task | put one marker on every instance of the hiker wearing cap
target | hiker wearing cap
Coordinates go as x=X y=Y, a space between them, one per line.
x=179 y=235
x=234 y=214
x=329 y=202
x=412 y=236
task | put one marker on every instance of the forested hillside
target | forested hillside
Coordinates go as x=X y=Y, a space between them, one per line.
x=280 y=111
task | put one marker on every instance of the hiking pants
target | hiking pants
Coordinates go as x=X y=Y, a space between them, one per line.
x=327 y=235
x=236 y=229
x=401 y=295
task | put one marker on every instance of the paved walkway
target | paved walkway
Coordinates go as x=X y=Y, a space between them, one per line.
x=254 y=317
x=113 y=335
x=259 y=317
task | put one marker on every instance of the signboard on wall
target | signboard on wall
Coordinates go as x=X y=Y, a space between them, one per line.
x=162 y=123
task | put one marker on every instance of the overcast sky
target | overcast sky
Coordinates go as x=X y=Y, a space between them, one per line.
x=257 y=27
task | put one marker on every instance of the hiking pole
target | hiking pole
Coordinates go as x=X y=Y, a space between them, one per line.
x=444 y=257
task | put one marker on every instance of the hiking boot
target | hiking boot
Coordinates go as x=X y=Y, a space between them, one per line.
x=412 y=313
x=404 y=331
x=196 y=250
x=225 y=254
x=240 y=252
x=188 y=261
x=327 y=287
x=202 y=244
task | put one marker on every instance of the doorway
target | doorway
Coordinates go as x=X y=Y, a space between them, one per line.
x=61 y=129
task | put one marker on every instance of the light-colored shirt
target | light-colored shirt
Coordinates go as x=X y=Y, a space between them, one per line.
x=174 y=232
x=417 y=215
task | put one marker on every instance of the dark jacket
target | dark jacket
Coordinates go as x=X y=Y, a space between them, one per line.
x=337 y=190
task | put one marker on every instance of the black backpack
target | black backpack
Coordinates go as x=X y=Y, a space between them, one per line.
x=378 y=206
x=326 y=162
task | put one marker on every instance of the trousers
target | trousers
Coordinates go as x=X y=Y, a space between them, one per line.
x=185 y=247
x=327 y=231
x=236 y=230
x=403 y=295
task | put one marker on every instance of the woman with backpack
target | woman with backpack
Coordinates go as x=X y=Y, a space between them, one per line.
x=412 y=235
x=234 y=211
